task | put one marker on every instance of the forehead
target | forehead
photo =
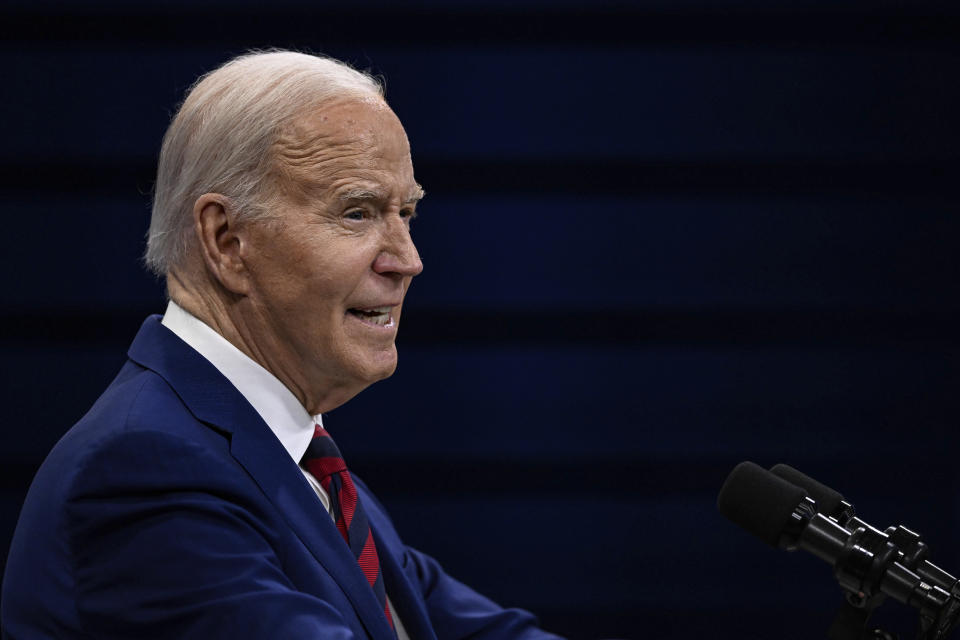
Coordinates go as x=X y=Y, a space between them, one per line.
x=348 y=144
x=350 y=119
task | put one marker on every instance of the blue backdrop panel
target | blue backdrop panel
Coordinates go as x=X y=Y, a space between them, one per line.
x=594 y=251
x=84 y=252
x=646 y=102
x=660 y=402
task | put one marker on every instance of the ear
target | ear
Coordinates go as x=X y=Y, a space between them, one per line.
x=221 y=241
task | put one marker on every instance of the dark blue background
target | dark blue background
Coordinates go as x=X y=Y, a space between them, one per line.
x=661 y=237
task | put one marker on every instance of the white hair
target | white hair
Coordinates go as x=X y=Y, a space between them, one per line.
x=221 y=137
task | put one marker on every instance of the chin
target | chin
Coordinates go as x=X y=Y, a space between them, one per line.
x=379 y=367
x=386 y=371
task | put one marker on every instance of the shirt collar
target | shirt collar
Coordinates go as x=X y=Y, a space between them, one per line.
x=275 y=403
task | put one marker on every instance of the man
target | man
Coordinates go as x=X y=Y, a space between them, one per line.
x=201 y=496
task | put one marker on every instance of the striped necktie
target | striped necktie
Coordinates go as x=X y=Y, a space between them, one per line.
x=324 y=461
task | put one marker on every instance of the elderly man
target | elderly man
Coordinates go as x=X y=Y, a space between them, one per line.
x=201 y=496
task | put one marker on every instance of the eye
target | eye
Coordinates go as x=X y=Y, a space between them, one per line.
x=354 y=214
x=408 y=215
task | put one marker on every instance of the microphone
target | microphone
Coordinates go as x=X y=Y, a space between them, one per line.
x=831 y=503
x=784 y=515
x=912 y=551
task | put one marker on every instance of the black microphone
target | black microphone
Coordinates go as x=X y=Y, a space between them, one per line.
x=912 y=551
x=831 y=503
x=783 y=515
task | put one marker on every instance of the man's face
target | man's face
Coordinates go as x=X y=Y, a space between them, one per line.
x=327 y=281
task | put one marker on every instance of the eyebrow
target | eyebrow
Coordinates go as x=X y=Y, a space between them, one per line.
x=362 y=193
x=418 y=194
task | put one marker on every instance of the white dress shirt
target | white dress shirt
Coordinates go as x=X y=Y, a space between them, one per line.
x=275 y=403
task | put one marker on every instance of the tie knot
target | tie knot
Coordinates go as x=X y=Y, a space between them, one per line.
x=322 y=457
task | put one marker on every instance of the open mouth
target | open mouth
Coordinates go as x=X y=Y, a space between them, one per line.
x=379 y=315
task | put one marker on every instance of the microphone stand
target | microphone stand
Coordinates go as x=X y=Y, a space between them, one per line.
x=850 y=623
x=939 y=612
x=868 y=555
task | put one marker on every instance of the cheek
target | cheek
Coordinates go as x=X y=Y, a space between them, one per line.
x=280 y=277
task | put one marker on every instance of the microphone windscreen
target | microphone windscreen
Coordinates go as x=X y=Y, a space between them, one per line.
x=828 y=501
x=759 y=501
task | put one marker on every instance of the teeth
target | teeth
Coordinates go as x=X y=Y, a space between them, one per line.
x=378 y=315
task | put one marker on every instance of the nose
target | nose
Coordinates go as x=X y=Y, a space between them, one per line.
x=399 y=255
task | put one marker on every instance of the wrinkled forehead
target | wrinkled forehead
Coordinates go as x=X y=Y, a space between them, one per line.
x=328 y=143
x=359 y=122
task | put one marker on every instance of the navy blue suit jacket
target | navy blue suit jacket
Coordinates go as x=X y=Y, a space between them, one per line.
x=172 y=511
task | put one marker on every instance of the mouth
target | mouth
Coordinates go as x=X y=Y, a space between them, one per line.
x=378 y=316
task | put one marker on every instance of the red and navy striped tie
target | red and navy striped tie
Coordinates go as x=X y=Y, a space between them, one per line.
x=323 y=460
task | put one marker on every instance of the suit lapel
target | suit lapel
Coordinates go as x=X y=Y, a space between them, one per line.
x=403 y=594
x=284 y=484
x=213 y=400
